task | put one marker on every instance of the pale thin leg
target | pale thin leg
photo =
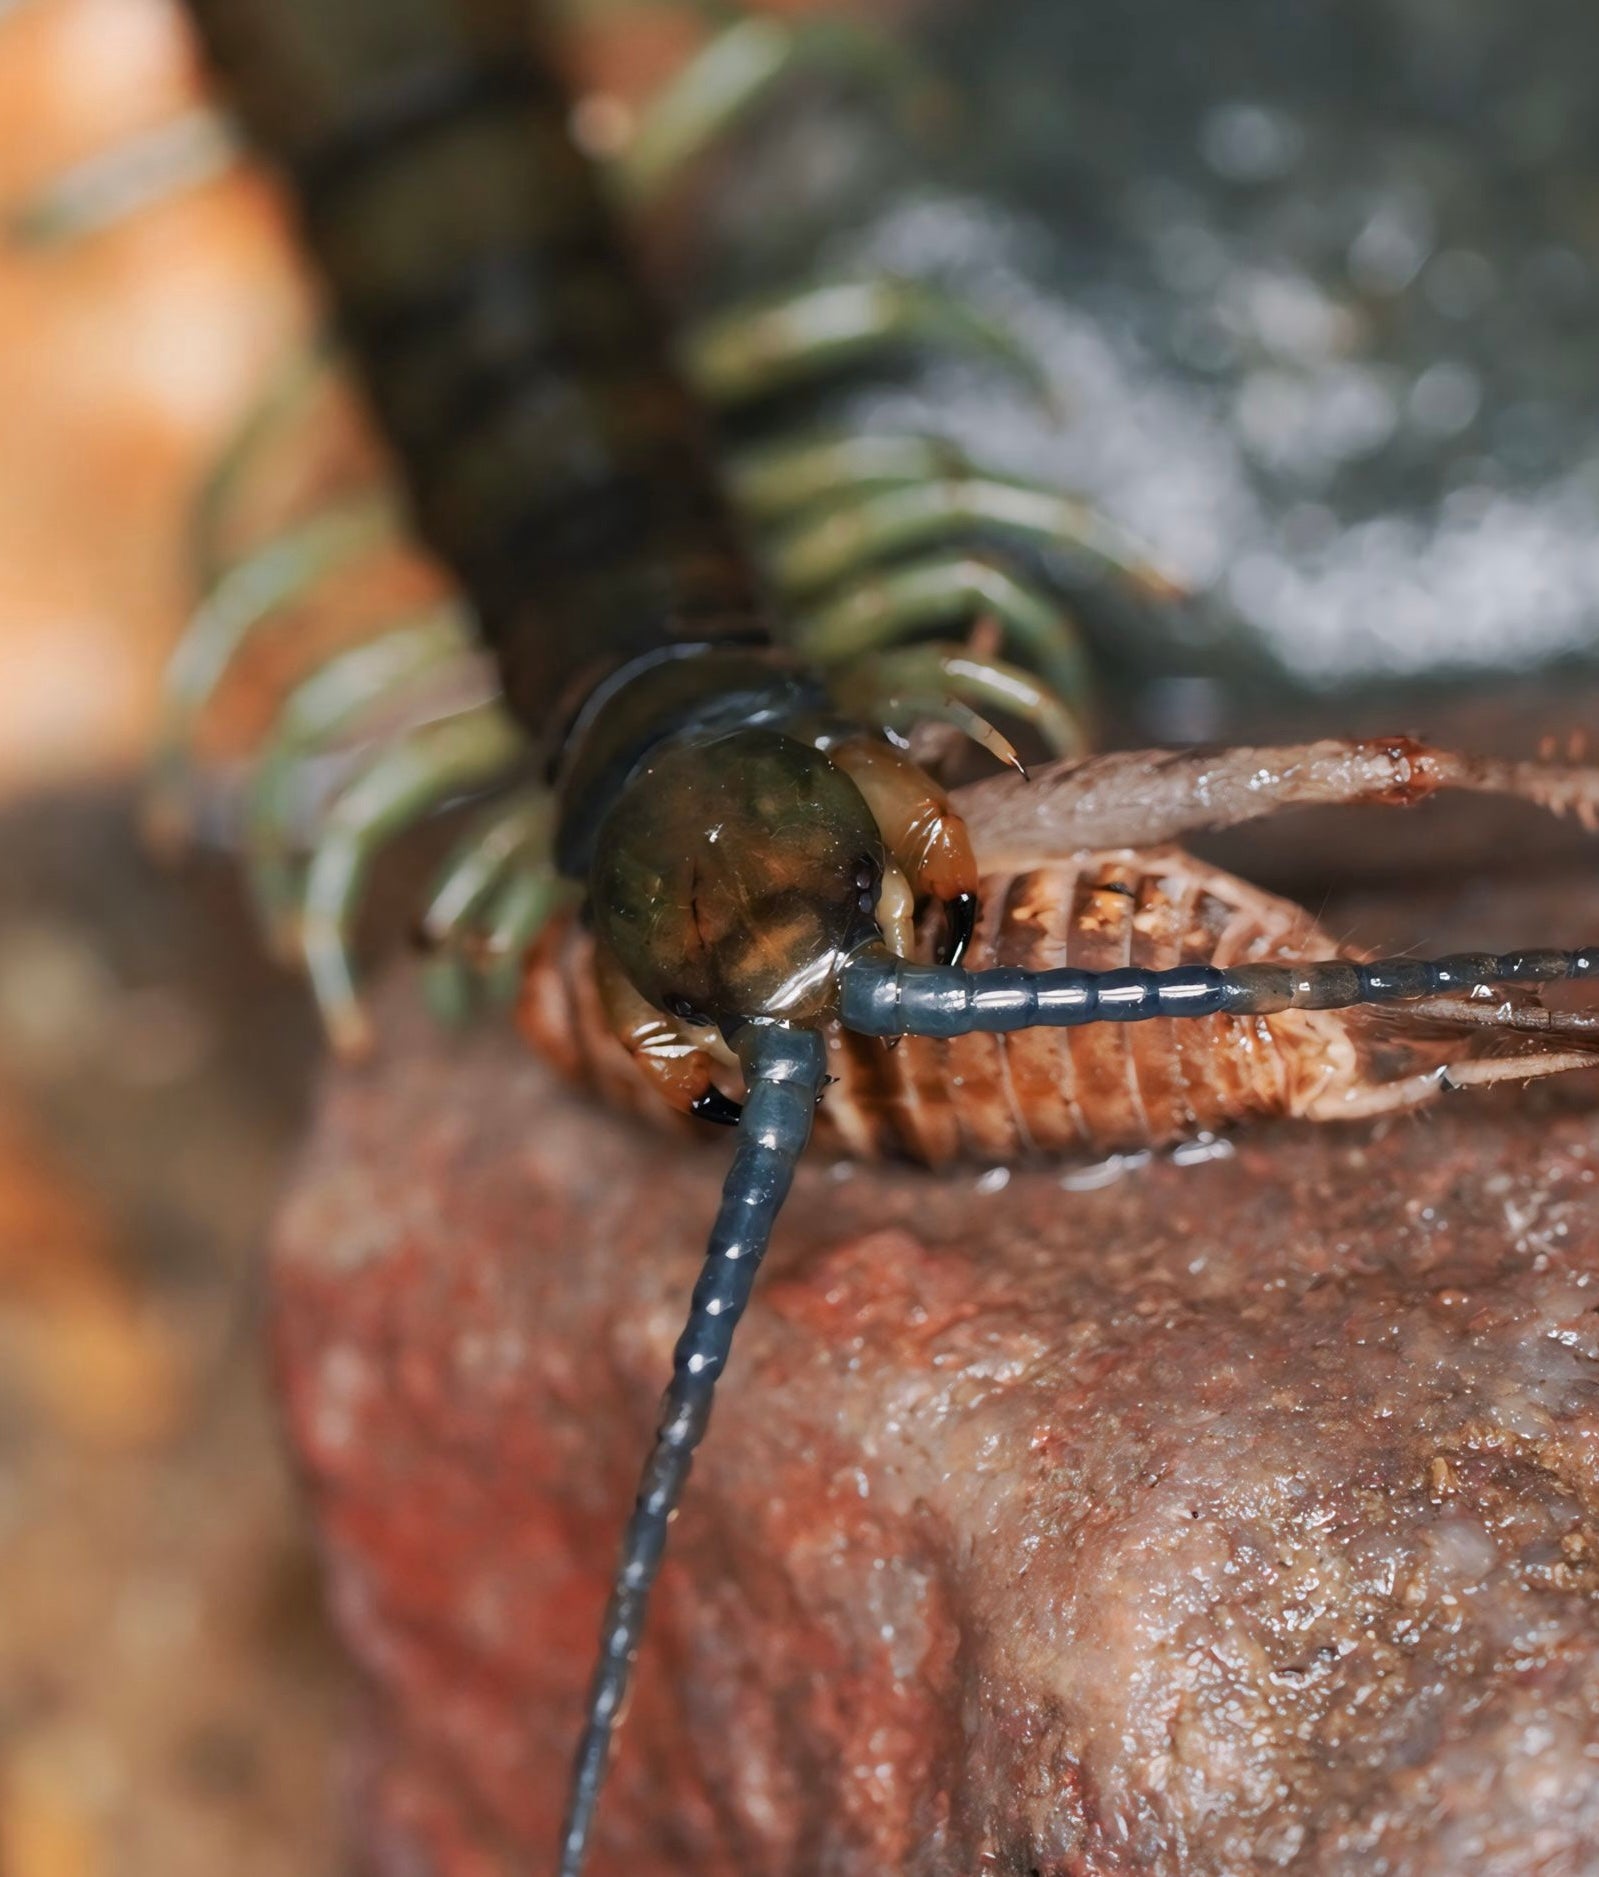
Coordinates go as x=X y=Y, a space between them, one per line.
x=486 y=959
x=777 y=482
x=922 y=682
x=525 y=904
x=244 y=600
x=1502 y=1014
x=491 y=900
x=1143 y=798
x=854 y=482
x=509 y=833
x=943 y=591
x=276 y=411
x=349 y=686
x=399 y=787
x=729 y=79
x=846 y=543
x=754 y=352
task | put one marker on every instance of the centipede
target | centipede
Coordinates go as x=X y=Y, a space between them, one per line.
x=715 y=874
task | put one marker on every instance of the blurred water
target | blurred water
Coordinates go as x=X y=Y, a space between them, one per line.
x=1317 y=285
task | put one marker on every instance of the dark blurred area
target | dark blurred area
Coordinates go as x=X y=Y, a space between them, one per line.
x=1316 y=291
x=168 y=1697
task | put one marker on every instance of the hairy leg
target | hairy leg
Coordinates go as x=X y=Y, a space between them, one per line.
x=1144 y=798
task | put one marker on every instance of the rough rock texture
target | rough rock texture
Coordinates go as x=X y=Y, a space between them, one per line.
x=1233 y=1512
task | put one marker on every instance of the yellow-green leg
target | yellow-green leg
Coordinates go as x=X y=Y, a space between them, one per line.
x=776 y=345
x=277 y=410
x=399 y=787
x=352 y=684
x=733 y=76
x=948 y=591
x=775 y=483
x=247 y=597
x=821 y=554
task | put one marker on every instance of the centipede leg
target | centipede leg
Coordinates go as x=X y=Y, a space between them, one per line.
x=275 y=414
x=487 y=962
x=188 y=151
x=730 y=78
x=526 y=901
x=508 y=833
x=361 y=682
x=246 y=599
x=489 y=904
x=757 y=351
x=924 y=683
x=776 y=482
x=850 y=540
x=949 y=590
x=399 y=787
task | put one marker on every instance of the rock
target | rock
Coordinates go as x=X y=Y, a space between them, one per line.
x=1233 y=1512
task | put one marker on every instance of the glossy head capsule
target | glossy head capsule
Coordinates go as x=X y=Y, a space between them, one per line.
x=733 y=877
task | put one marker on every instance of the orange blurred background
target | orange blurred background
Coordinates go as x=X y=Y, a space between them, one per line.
x=168 y=1699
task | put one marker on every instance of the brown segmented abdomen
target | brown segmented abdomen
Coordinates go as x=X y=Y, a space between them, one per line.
x=1099 y=1089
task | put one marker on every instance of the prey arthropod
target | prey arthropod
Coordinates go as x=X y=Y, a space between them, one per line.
x=1080 y=875
x=754 y=848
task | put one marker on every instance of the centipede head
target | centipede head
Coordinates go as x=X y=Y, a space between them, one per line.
x=734 y=876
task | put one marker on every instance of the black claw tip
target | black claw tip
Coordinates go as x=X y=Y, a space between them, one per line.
x=713 y=1105
x=961 y=913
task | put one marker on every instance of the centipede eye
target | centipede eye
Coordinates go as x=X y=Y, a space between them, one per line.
x=868 y=883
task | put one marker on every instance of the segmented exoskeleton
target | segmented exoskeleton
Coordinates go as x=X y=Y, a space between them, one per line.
x=863 y=541
x=756 y=853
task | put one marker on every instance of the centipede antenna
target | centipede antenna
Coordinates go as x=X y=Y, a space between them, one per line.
x=784 y=1070
x=884 y=996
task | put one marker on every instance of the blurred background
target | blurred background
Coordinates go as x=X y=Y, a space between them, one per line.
x=167 y=1693
x=1316 y=286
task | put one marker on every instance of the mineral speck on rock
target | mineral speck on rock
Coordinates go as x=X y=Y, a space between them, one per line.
x=1229 y=1517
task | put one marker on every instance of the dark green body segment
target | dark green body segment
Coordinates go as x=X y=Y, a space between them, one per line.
x=554 y=458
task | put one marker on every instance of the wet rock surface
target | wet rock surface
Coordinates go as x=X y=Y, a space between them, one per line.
x=1235 y=1511
x=1314 y=288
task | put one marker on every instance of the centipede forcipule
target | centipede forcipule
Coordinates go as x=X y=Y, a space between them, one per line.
x=755 y=851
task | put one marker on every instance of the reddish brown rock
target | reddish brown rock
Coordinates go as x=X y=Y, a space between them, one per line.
x=1231 y=1515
